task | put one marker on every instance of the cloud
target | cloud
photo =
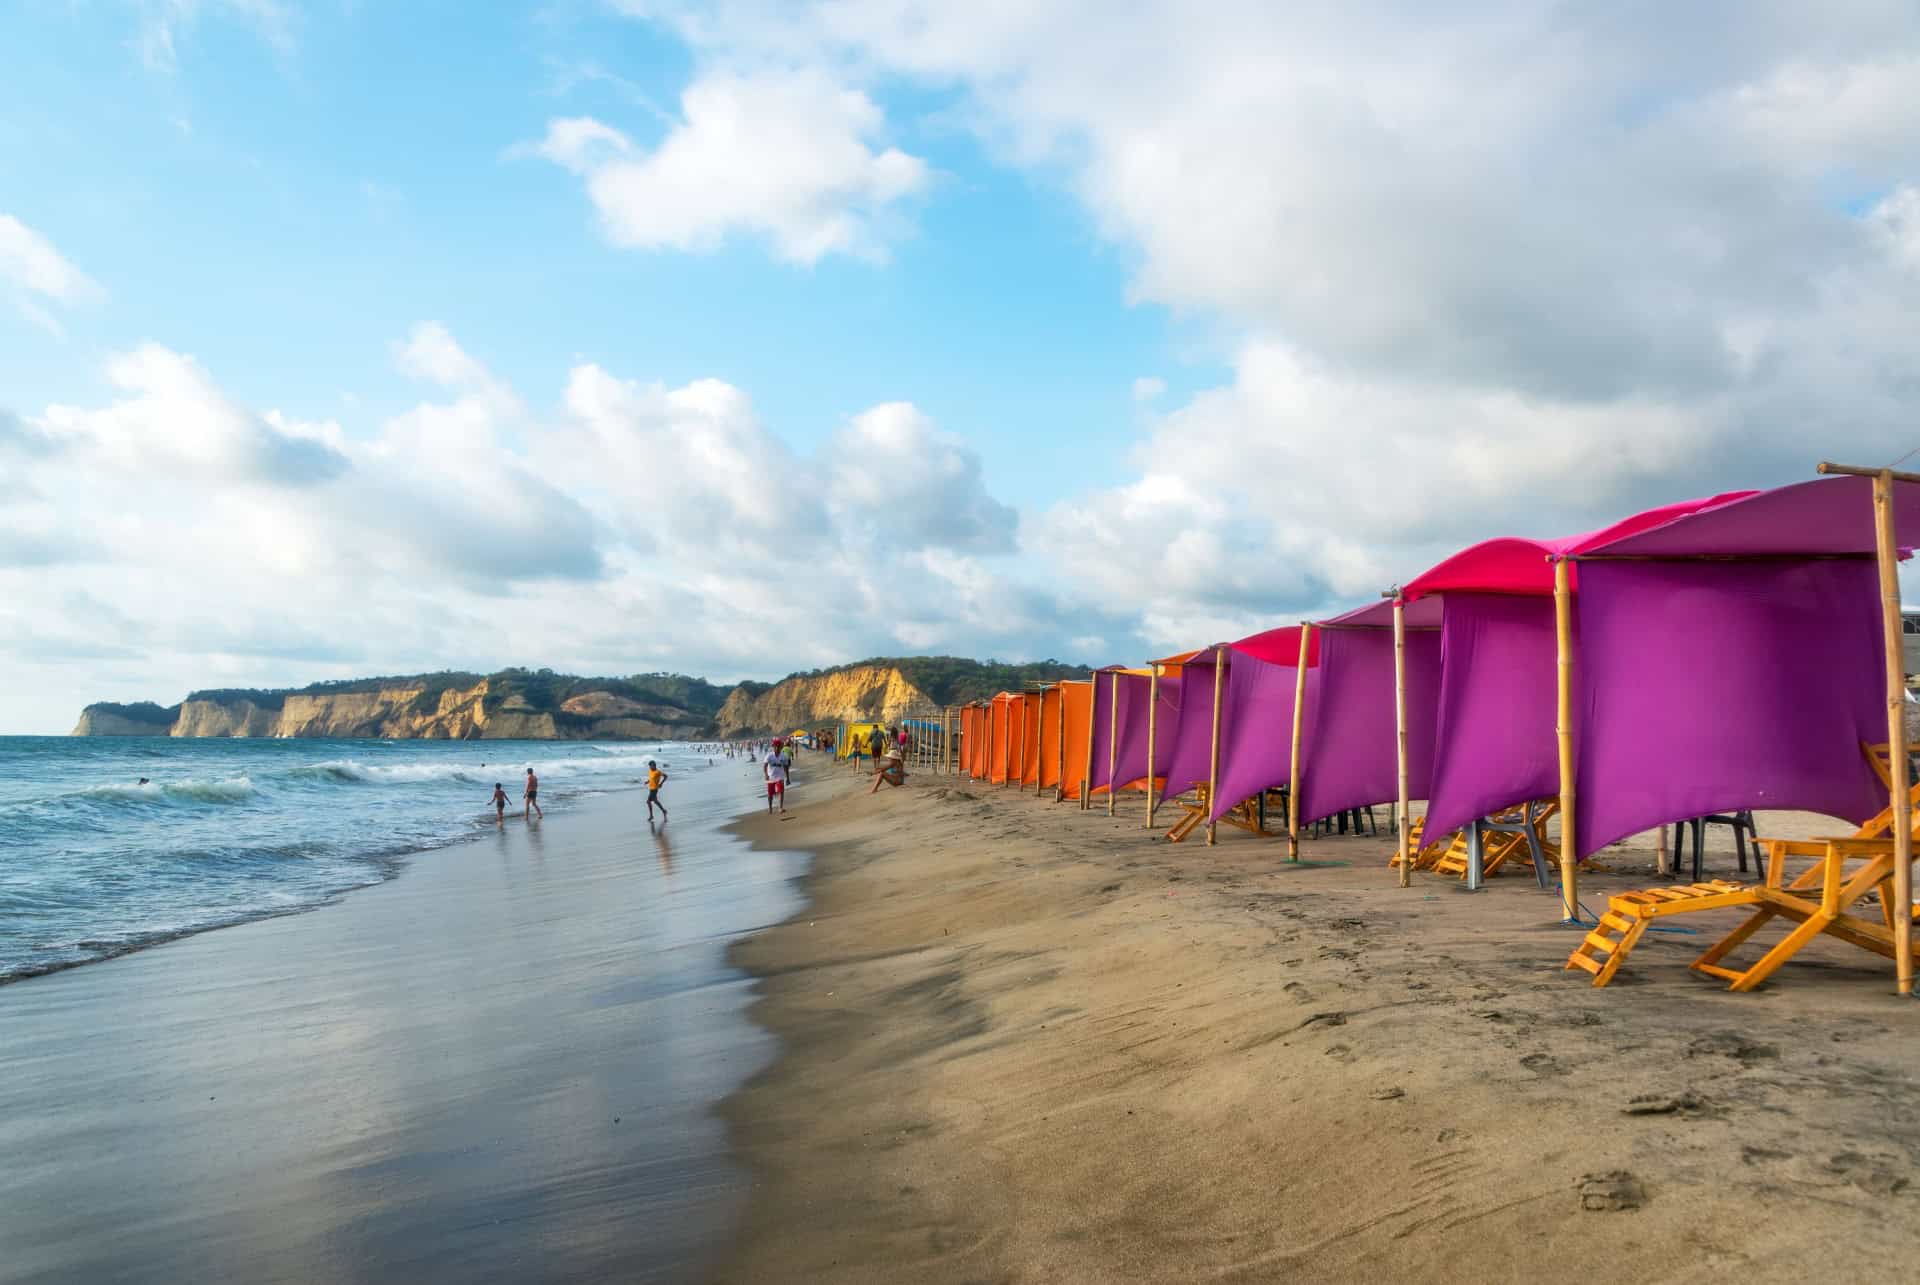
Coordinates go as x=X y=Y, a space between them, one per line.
x=430 y=352
x=1524 y=268
x=1148 y=388
x=634 y=525
x=172 y=421
x=36 y=274
x=163 y=24
x=788 y=156
x=920 y=487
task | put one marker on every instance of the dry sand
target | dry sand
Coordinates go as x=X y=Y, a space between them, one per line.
x=1027 y=1043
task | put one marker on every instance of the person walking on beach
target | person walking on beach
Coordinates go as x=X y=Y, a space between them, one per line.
x=499 y=804
x=655 y=779
x=774 y=767
x=533 y=795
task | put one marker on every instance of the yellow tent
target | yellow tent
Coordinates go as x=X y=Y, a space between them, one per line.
x=855 y=738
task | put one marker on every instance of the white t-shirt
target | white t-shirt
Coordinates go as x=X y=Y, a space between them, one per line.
x=777 y=765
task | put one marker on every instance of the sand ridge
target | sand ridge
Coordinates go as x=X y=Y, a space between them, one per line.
x=1028 y=1043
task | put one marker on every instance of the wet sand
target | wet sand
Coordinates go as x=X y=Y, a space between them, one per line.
x=498 y=1066
x=1026 y=1043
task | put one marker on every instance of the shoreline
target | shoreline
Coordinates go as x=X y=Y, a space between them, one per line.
x=382 y=863
x=501 y=1066
x=1019 y=1041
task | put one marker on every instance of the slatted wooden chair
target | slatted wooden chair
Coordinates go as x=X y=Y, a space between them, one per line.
x=1816 y=901
x=1422 y=855
x=1509 y=844
x=1197 y=802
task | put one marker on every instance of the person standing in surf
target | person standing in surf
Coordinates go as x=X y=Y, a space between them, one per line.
x=533 y=796
x=499 y=802
x=655 y=779
x=774 y=767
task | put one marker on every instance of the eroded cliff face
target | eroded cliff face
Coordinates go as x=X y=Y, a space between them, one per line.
x=407 y=713
x=876 y=692
x=101 y=722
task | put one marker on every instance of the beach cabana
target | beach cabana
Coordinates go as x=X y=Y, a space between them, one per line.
x=1046 y=764
x=1496 y=743
x=1003 y=715
x=1332 y=735
x=853 y=739
x=1778 y=664
x=1076 y=711
x=1029 y=752
x=1121 y=718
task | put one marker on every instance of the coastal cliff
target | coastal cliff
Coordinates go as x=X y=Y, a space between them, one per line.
x=859 y=692
x=540 y=705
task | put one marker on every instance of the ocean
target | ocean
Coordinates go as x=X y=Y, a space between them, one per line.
x=94 y=864
x=418 y=1048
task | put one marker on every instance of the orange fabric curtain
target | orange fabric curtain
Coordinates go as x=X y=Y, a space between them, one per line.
x=1030 y=738
x=1077 y=702
x=1000 y=756
x=1050 y=737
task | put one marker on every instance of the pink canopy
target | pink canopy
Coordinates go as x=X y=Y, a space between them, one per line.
x=1513 y=564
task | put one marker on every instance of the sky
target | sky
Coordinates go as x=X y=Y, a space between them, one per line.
x=733 y=338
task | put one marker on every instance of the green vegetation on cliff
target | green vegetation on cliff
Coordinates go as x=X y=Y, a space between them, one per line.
x=138 y=712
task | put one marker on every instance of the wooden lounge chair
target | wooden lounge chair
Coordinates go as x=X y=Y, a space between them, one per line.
x=1197 y=802
x=1816 y=901
x=1500 y=846
x=1423 y=854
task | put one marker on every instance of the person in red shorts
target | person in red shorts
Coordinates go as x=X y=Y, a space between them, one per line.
x=775 y=766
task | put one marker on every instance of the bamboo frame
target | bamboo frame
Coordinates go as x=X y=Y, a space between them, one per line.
x=1293 y=769
x=1563 y=728
x=1402 y=816
x=1093 y=713
x=1153 y=711
x=1113 y=733
x=1887 y=551
x=1213 y=753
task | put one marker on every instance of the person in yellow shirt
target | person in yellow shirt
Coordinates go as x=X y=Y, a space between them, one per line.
x=655 y=779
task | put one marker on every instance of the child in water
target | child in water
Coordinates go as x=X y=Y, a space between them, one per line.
x=499 y=805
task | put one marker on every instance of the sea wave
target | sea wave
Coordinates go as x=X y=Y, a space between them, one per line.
x=352 y=771
x=232 y=789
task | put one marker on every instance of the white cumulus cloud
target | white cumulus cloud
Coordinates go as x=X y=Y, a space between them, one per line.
x=789 y=156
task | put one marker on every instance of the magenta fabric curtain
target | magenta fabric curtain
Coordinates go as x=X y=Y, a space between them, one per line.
x=1185 y=753
x=1131 y=758
x=1714 y=686
x=1350 y=759
x=1494 y=724
x=1256 y=728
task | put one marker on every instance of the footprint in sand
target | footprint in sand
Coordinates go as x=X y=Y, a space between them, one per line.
x=1542 y=1064
x=1615 y=1190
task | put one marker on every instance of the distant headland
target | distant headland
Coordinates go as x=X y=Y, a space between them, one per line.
x=539 y=704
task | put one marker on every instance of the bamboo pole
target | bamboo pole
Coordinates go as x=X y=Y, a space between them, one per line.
x=1113 y=733
x=1563 y=637
x=1293 y=770
x=1093 y=712
x=1402 y=817
x=1213 y=755
x=1888 y=553
x=1153 y=713
x=1060 y=744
